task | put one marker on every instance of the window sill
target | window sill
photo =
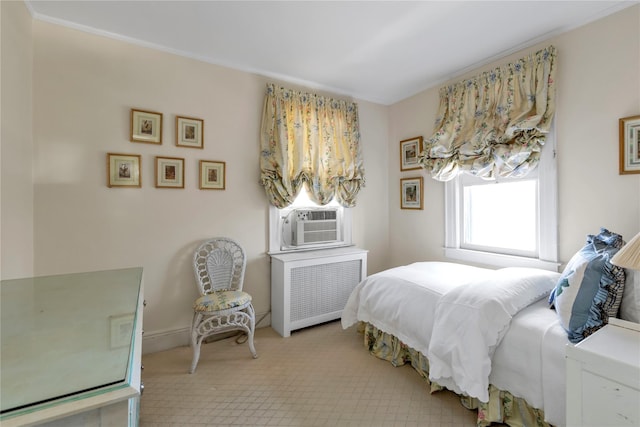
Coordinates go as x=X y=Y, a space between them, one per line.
x=499 y=260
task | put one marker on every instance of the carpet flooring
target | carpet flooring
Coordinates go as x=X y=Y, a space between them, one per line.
x=320 y=376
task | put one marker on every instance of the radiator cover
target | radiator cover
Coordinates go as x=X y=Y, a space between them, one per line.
x=312 y=287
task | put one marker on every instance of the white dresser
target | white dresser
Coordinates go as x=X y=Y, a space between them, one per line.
x=311 y=287
x=603 y=377
x=71 y=349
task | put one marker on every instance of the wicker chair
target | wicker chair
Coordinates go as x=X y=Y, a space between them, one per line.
x=219 y=266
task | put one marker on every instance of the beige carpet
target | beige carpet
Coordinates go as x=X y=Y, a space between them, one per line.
x=320 y=376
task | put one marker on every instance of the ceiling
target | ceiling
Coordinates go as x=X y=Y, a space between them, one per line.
x=379 y=51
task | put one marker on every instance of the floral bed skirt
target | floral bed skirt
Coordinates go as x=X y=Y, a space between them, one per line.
x=502 y=407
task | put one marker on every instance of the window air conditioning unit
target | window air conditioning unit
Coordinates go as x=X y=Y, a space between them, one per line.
x=315 y=226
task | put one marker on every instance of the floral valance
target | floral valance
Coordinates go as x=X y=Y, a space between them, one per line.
x=312 y=140
x=495 y=124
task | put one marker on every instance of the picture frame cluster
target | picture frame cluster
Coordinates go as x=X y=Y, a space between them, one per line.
x=411 y=188
x=125 y=170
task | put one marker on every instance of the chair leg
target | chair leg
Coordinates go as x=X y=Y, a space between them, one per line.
x=252 y=328
x=252 y=348
x=196 y=357
x=195 y=342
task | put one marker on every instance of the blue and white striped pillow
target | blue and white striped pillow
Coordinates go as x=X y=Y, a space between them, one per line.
x=590 y=288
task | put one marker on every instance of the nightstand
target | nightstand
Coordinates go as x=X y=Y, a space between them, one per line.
x=603 y=377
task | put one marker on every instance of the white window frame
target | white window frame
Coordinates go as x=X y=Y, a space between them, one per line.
x=547 y=256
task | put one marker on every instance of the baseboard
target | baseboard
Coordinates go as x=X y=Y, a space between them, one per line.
x=154 y=342
x=164 y=340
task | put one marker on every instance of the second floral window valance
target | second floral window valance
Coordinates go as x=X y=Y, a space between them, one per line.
x=495 y=124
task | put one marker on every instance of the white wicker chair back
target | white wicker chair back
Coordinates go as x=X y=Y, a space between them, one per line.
x=219 y=264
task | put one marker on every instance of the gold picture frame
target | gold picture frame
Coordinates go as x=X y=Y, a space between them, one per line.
x=124 y=170
x=189 y=132
x=411 y=193
x=169 y=172
x=409 y=150
x=146 y=126
x=212 y=175
x=629 y=145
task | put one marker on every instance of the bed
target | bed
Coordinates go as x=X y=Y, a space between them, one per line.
x=490 y=335
x=435 y=315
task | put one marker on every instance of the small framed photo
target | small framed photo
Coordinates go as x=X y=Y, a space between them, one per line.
x=409 y=150
x=146 y=126
x=411 y=193
x=189 y=132
x=212 y=175
x=169 y=172
x=630 y=145
x=123 y=170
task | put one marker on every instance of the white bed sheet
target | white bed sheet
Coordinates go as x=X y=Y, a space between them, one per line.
x=529 y=362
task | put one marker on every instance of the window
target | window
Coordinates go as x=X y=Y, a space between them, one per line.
x=506 y=222
x=282 y=225
x=500 y=215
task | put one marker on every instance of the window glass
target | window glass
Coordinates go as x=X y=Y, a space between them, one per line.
x=500 y=217
x=303 y=201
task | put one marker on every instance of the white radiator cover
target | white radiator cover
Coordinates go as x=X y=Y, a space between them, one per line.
x=308 y=288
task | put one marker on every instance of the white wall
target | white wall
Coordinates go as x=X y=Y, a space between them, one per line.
x=16 y=212
x=84 y=87
x=598 y=73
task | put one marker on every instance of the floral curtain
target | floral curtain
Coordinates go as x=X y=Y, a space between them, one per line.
x=495 y=124
x=312 y=140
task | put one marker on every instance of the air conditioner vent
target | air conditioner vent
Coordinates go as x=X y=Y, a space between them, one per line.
x=322 y=215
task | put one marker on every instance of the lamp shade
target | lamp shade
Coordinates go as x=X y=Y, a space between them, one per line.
x=629 y=255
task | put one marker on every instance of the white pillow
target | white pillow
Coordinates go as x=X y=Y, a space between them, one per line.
x=630 y=305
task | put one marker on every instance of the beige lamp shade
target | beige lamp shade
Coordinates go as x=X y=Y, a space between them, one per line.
x=629 y=255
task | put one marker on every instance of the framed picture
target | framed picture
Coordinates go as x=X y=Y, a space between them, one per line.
x=630 y=145
x=189 y=132
x=411 y=193
x=409 y=150
x=123 y=170
x=169 y=172
x=146 y=126
x=212 y=175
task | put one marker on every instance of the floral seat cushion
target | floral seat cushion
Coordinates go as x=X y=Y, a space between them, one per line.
x=221 y=300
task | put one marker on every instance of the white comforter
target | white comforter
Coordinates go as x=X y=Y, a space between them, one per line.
x=530 y=360
x=402 y=301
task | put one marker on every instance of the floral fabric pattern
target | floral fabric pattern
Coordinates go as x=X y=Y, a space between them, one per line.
x=495 y=124
x=312 y=140
x=221 y=300
x=502 y=407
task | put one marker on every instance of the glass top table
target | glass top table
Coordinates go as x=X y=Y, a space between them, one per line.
x=65 y=336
